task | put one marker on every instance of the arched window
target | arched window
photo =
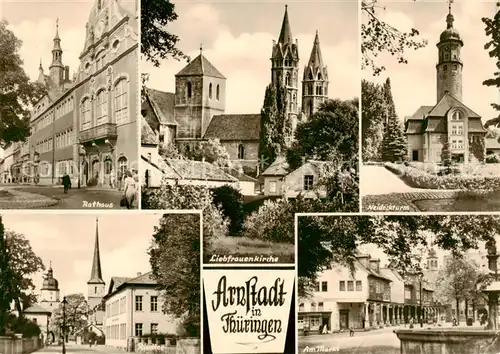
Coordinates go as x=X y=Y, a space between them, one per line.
x=320 y=90
x=241 y=152
x=320 y=77
x=102 y=107
x=108 y=166
x=210 y=91
x=310 y=76
x=121 y=101
x=287 y=79
x=85 y=110
x=217 y=93
x=122 y=166
x=311 y=108
x=311 y=92
x=189 y=91
x=457 y=115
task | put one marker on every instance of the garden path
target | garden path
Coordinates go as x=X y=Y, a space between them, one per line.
x=377 y=180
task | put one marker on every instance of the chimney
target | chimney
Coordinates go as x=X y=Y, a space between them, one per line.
x=139 y=274
x=364 y=259
x=375 y=265
x=66 y=73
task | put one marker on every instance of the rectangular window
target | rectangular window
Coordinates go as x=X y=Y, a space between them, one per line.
x=138 y=329
x=138 y=303
x=320 y=306
x=341 y=285
x=350 y=285
x=154 y=303
x=308 y=182
x=86 y=122
x=154 y=328
x=121 y=102
x=358 y=285
x=324 y=286
x=102 y=107
x=272 y=187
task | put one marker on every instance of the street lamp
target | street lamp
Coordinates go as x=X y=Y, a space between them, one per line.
x=64 y=303
x=420 y=276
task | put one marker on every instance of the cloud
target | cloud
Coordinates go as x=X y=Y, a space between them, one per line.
x=414 y=84
x=244 y=59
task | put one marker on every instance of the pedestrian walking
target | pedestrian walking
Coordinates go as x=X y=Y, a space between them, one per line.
x=129 y=190
x=66 y=182
x=112 y=179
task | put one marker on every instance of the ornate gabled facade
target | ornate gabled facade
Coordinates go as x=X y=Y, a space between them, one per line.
x=449 y=124
x=86 y=126
x=96 y=286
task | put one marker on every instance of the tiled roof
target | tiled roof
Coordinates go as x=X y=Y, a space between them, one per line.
x=436 y=125
x=200 y=66
x=234 y=127
x=476 y=126
x=118 y=283
x=198 y=170
x=446 y=103
x=241 y=176
x=36 y=309
x=492 y=143
x=278 y=168
x=167 y=171
x=148 y=136
x=370 y=271
x=421 y=112
x=162 y=104
x=142 y=279
x=414 y=126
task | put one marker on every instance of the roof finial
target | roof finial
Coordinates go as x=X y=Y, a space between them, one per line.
x=201 y=48
x=449 y=6
x=449 y=18
x=50 y=264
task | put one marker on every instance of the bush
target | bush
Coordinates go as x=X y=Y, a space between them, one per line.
x=417 y=178
x=493 y=158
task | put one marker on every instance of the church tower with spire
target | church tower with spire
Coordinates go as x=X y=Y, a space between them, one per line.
x=315 y=81
x=96 y=285
x=449 y=66
x=285 y=67
x=57 y=68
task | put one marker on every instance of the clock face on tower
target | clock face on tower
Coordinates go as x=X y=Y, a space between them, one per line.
x=99 y=29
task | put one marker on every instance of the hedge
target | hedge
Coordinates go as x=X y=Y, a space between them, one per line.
x=420 y=179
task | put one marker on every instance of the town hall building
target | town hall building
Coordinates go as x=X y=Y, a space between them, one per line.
x=449 y=124
x=196 y=111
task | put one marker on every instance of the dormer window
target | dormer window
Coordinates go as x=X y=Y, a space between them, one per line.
x=457 y=115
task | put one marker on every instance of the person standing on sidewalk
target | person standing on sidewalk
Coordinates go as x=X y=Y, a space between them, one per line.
x=66 y=181
x=129 y=190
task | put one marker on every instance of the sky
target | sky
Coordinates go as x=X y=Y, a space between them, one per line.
x=414 y=84
x=237 y=39
x=67 y=240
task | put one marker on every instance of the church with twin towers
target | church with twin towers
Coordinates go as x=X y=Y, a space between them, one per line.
x=196 y=110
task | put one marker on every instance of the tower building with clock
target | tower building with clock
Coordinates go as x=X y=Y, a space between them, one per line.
x=449 y=125
x=86 y=124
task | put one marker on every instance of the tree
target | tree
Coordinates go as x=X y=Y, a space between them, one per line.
x=379 y=37
x=394 y=146
x=5 y=294
x=460 y=280
x=372 y=120
x=23 y=263
x=157 y=43
x=492 y=29
x=169 y=151
x=76 y=311
x=446 y=156
x=331 y=134
x=17 y=93
x=212 y=151
x=21 y=325
x=270 y=144
x=187 y=197
x=175 y=261
x=230 y=202
x=327 y=239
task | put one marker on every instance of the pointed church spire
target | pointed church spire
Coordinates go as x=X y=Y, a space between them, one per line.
x=57 y=28
x=316 y=59
x=286 y=31
x=96 y=275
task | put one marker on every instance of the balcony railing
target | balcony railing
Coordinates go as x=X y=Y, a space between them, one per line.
x=103 y=131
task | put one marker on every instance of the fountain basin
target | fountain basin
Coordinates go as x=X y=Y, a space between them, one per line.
x=448 y=341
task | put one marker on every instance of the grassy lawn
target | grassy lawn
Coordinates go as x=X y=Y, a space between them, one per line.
x=245 y=247
x=464 y=201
